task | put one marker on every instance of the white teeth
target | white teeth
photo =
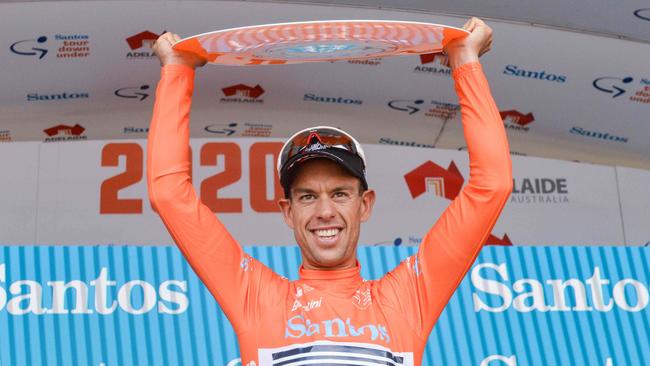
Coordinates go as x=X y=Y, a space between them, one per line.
x=326 y=232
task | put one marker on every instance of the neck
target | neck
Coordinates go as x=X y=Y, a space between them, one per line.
x=316 y=266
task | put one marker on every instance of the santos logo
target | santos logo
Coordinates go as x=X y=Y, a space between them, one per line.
x=26 y=296
x=597 y=135
x=35 y=97
x=337 y=100
x=573 y=294
x=514 y=70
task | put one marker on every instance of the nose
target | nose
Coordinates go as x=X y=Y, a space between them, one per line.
x=325 y=209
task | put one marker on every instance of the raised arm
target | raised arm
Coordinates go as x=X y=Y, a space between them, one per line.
x=452 y=244
x=232 y=277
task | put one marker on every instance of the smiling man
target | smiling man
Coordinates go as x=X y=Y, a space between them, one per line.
x=322 y=170
x=330 y=315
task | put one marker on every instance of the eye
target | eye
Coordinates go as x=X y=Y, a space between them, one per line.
x=306 y=197
x=341 y=194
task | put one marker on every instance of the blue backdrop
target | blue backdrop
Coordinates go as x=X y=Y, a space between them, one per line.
x=144 y=306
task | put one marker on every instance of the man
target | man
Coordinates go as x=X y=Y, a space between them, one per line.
x=330 y=315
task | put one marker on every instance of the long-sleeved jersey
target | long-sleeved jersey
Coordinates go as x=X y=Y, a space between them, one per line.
x=330 y=317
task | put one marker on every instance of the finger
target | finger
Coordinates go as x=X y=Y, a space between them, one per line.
x=472 y=25
x=467 y=24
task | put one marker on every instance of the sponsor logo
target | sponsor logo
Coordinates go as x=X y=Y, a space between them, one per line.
x=64 y=133
x=54 y=297
x=431 y=177
x=5 y=136
x=309 y=305
x=605 y=136
x=241 y=93
x=433 y=64
x=512 y=361
x=222 y=129
x=337 y=100
x=362 y=298
x=246 y=264
x=299 y=326
x=368 y=62
x=499 y=293
x=390 y=141
x=140 y=41
x=304 y=289
x=624 y=86
x=316 y=147
x=65 y=46
x=135 y=92
x=539 y=190
x=132 y=129
x=643 y=14
x=434 y=108
x=612 y=85
x=514 y=70
x=515 y=120
x=257 y=130
x=417 y=240
x=495 y=240
x=30 y=47
x=330 y=353
x=35 y=97
x=243 y=129
x=441 y=182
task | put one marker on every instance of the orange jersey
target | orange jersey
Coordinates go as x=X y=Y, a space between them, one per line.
x=330 y=317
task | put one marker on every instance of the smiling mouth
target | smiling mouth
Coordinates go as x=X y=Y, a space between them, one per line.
x=327 y=236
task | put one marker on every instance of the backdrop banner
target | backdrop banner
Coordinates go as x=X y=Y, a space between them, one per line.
x=94 y=192
x=134 y=305
x=561 y=94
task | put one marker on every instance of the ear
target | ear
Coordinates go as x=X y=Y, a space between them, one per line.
x=367 y=203
x=285 y=207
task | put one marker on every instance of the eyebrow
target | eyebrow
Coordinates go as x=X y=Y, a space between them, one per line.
x=300 y=190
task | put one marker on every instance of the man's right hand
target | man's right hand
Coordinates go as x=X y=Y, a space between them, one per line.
x=168 y=56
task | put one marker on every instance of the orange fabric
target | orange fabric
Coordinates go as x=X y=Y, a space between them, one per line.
x=330 y=315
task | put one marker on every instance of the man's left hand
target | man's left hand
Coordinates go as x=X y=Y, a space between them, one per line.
x=470 y=48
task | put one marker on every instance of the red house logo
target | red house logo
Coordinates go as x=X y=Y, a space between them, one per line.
x=434 y=57
x=514 y=116
x=495 y=240
x=432 y=177
x=244 y=91
x=75 y=130
x=141 y=39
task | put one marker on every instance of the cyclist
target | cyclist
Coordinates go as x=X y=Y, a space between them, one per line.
x=330 y=315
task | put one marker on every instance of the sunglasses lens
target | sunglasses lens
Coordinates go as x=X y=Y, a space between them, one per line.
x=327 y=137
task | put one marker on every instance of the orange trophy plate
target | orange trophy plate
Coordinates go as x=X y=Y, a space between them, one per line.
x=318 y=41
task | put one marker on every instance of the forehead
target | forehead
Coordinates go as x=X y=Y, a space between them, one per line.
x=321 y=171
